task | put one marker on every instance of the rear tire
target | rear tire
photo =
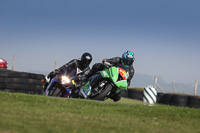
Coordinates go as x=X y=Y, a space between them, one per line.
x=102 y=96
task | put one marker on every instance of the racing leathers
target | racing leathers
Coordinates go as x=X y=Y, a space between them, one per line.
x=75 y=64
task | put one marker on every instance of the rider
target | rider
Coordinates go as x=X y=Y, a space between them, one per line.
x=127 y=59
x=80 y=65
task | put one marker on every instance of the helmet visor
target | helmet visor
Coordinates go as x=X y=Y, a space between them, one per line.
x=128 y=61
x=86 y=62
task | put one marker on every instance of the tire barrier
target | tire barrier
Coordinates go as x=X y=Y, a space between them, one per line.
x=150 y=94
x=135 y=94
x=159 y=97
x=194 y=101
x=168 y=99
x=179 y=100
x=22 y=82
x=124 y=93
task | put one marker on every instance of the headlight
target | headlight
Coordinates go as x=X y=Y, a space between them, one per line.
x=65 y=80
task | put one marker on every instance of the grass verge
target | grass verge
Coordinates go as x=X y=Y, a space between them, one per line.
x=22 y=113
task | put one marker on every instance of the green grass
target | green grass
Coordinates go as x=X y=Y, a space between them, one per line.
x=22 y=113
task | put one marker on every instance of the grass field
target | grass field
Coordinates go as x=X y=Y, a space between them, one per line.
x=23 y=113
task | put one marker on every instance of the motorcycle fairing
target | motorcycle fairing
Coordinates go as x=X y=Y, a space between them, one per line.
x=114 y=73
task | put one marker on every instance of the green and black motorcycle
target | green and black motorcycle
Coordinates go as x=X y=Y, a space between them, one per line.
x=105 y=84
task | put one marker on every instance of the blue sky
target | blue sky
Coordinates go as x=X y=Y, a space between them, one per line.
x=163 y=34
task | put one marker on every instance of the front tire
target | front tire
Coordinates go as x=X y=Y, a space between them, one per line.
x=102 y=96
x=55 y=92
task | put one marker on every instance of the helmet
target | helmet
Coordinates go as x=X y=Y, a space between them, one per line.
x=128 y=58
x=86 y=59
x=3 y=63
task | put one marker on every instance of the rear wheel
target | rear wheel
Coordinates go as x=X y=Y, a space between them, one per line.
x=104 y=93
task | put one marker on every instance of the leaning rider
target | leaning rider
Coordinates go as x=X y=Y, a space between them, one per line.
x=80 y=65
x=127 y=59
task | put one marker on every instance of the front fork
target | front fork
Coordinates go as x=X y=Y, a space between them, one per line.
x=49 y=87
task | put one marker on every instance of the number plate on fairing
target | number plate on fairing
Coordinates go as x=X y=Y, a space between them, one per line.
x=104 y=73
x=122 y=72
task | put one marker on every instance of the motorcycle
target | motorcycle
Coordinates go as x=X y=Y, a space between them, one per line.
x=105 y=84
x=62 y=84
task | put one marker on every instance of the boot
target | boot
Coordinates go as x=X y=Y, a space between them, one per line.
x=88 y=91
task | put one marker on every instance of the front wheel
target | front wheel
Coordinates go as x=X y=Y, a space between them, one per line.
x=55 y=92
x=104 y=93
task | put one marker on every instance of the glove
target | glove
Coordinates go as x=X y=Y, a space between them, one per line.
x=55 y=72
x=107 y=64
x=52 y=74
